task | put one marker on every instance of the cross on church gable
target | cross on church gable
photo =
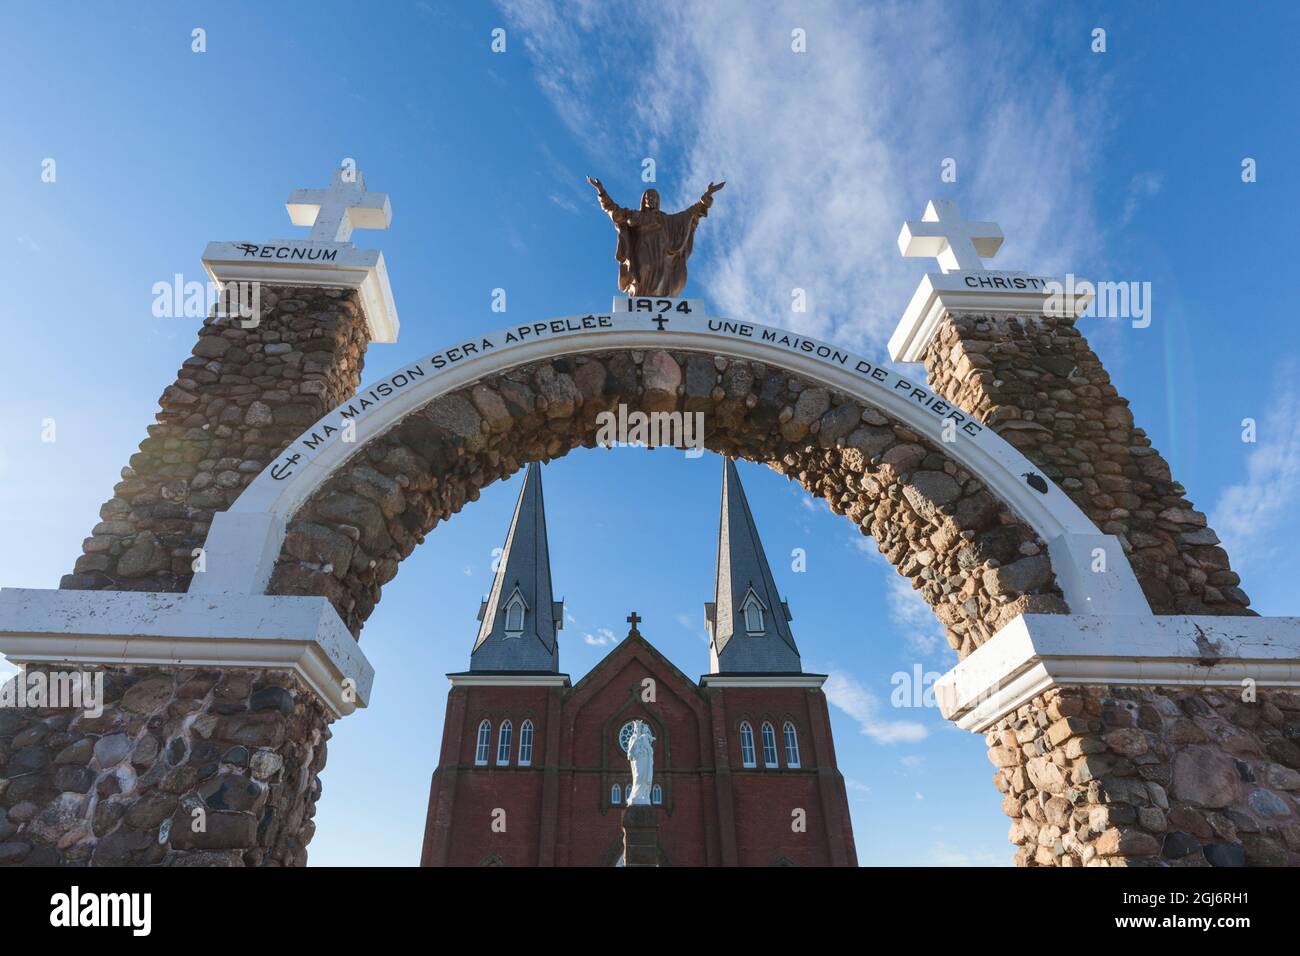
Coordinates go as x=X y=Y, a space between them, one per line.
x=634 y=619
x=333 y=212
x=959 y=245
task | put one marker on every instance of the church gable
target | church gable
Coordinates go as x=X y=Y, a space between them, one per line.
x=635 y=647
x=635 y=681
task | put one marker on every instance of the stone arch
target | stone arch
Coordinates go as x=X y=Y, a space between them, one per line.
x=975 y=559
x=947 y=500
x=250 y=393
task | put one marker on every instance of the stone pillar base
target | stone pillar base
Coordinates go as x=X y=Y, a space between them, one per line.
x=177 y=729
x=1140 y=740
x=640 y=836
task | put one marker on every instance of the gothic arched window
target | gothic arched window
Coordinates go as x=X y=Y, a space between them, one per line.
x=503 y=743
x=753 y=609
x=656 y=794
x=769 y=745
x=515 y=616
x=615 y=795
x=484 y=744
x=526 y=744
x=747 y=745
x=791 y=745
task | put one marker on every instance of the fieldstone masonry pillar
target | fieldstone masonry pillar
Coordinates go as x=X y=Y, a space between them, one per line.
x=206 y=743
x=1037 y=382
x=1119 y=773
x=1111 y=774
x=1094 y=775
x=211 y=762
x=242 y=746
x=237 y=401
x=1120 y=738
x=1140 y=740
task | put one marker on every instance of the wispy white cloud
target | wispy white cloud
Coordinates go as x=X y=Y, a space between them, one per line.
x=1249 y=514
x=911 y=616
x=863 y=544
x=693 y=624
x=825 y=152
x=847 y=693
x=1141 y=186
x=603 y=636
x=567 y=205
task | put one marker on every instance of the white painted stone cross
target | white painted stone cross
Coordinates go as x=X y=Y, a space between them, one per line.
x=332 y=213
x=959 y=245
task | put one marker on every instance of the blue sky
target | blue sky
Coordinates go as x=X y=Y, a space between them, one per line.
x=1123 y=165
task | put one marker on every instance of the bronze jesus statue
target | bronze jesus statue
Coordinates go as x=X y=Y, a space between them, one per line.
x=653 y=245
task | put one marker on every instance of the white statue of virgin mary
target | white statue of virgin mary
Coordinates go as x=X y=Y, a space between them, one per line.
x=641 y=755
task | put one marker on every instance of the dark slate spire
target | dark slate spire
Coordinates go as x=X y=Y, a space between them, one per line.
x=519 y=618
x=748 y=622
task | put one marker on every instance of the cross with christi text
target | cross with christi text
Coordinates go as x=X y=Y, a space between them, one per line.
x=333 y=212
x=959 y=245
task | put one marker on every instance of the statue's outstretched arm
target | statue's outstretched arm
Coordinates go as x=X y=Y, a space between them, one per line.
x=702 y=205
x=707 y=199
x=612 y=209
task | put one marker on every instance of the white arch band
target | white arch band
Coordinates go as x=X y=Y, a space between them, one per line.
x=244 y=542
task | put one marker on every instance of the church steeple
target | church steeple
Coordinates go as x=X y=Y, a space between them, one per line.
x=748 y=622
x=520 y=619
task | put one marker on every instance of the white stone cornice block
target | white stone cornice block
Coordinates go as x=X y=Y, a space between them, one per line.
x=995 y=293
x=1036 y=652
x=140 y=628
x=331 y=265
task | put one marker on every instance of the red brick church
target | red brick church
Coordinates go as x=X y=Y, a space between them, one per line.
x=532 y=770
